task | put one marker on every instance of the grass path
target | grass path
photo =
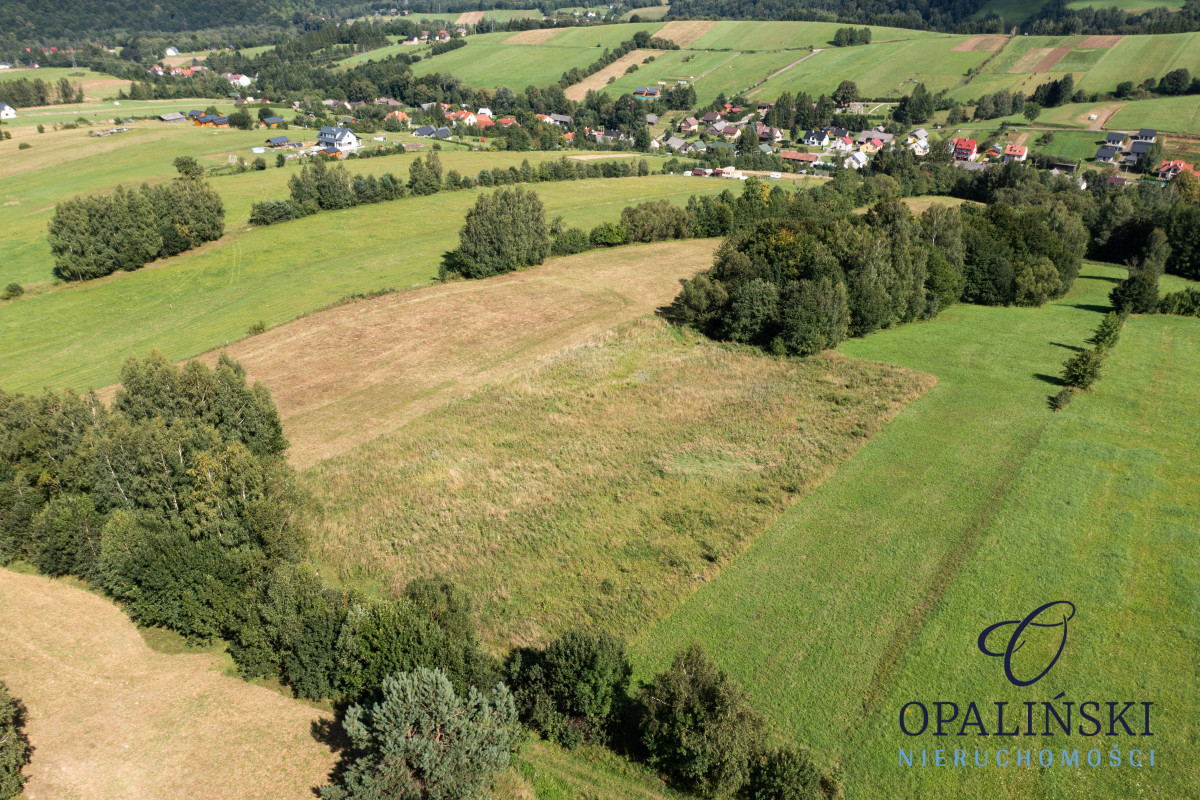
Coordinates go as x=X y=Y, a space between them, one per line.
x=112 y=719
x=822 y=604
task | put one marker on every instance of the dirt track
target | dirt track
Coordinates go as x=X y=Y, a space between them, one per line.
x=350 y=374
x=111 y=719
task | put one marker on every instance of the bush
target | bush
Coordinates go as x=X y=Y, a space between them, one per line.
x=13 y=290
x=1185 y=303
x=656 y=221
x=269 y=212
x=697 y=725
x=259 y=163
x=1082 y=369
x=1037 y=282
x=609 y=234
x=1062 y=399
x=257 y=328
x=569 y=242
x=1137 y=294
x=14 y=746
x=24 y=146
x=41 y=128
x=420 y=739
x=784 y=774
x=572 y=690
x=1108 y=331
x=505 y=231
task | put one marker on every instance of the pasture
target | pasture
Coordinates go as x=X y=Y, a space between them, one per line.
x=1175 y=114
x=96 y=85
x=110 y=718
x=491 y=65
x=602 y=488
x=209 y=297
x=943 y=517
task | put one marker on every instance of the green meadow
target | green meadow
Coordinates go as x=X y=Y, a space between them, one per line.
x=1138 y=57
x=491 y=64
x=1175 y=114
x=748 y=35
x=204 y=298
x=870 y=592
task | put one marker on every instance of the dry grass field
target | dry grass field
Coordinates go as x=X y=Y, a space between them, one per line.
x=684 y=33
x=112 y=719
x=344 y=376
x=535 y=36
x=602 y=488
x=469 y=17
x=598 y=80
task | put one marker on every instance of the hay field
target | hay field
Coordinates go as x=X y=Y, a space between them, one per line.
x=598 y=80
x=603 y=488
x=112 y=719
x=345 y=376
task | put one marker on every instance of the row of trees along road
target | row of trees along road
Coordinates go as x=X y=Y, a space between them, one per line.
x=91 y=237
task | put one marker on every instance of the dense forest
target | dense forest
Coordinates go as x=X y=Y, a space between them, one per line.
x=32 y=19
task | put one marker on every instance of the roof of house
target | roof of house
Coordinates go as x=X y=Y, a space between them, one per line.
x=1105 y=153
x=652 y=119
x=424 y=130
x=1115 y=137
x=877 y=142
x=1176 y=166
x=195 y=113
x=442 y=133
x=220 y=120
x=861 y=158
x=277 y=140
x=815 y=135
x=793 y=155
x=1015 y=150
x=273 y=120
x=1139 y=147
x=965 y=144
x=1147 y=133
x=173 y=116
x=711 y=116
x=675 y=143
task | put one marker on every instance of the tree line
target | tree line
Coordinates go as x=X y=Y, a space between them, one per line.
x=24 y=93
x=320 y=187
x=14 y=744
x=91 y=237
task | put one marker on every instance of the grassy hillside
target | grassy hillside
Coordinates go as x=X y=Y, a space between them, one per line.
x=79 y=334
x=601 y=489
x=113 y=719
x=946 y=516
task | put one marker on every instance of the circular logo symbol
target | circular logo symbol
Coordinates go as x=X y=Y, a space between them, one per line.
x=1051 y=615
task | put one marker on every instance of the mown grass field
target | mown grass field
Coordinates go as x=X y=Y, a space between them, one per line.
x=1177 y=114
x=493 y=64
x=601 y=489
x=77 y=335
x=110 y=718
x=974 y=503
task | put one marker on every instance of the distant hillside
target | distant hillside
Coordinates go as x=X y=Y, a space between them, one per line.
x=35 y=19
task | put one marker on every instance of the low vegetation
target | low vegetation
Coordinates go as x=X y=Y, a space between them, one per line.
x=14 y=745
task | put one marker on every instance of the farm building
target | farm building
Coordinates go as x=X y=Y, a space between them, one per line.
x=807 y=159
x=272 y=122
x=7 y=111
x=173 y=116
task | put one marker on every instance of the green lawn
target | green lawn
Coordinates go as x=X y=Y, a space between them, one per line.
x=1073 y=145
x=866 y=576
x=1175 y=114
x=488 y=65
x=78 y=335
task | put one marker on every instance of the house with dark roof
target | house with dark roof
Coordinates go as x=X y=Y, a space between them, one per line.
x=338 y=141
x=1136 y=151
x=1115 y=139
x=425 y=130
x=1145 y=135
x=1106 y=154
x=816 y=139
x=564 y=120
x=173 y=116
x=276 y=142
x=442 y=133
x=272 y=122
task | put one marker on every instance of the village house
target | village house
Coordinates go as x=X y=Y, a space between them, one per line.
x=689 y=126
x=337 y=141
x=1169 y=170
x=843 y=144
x=272 y=122
x=1106 y=154
x=276 y=142
x=710 y=118
x=964 y=149
x=871 y=146
x=1015 y=152
x=173 y=116
x=802 y=159
x=1136 y=151
x=483 y=121
x=399 y=116
x=387 y=101
x=1147 y=135
x=172 y=52
x=562 y=120
x=816 y=139
x=677 y=144
x=652 y=119
x=856 y=161
x=920 y=147
x=1115 y=139
x=768 y=134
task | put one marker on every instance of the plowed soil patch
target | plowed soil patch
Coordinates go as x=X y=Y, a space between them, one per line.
x=1053 y=57
x=1029 y=60
x=469 y=17
x=1100 y=42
